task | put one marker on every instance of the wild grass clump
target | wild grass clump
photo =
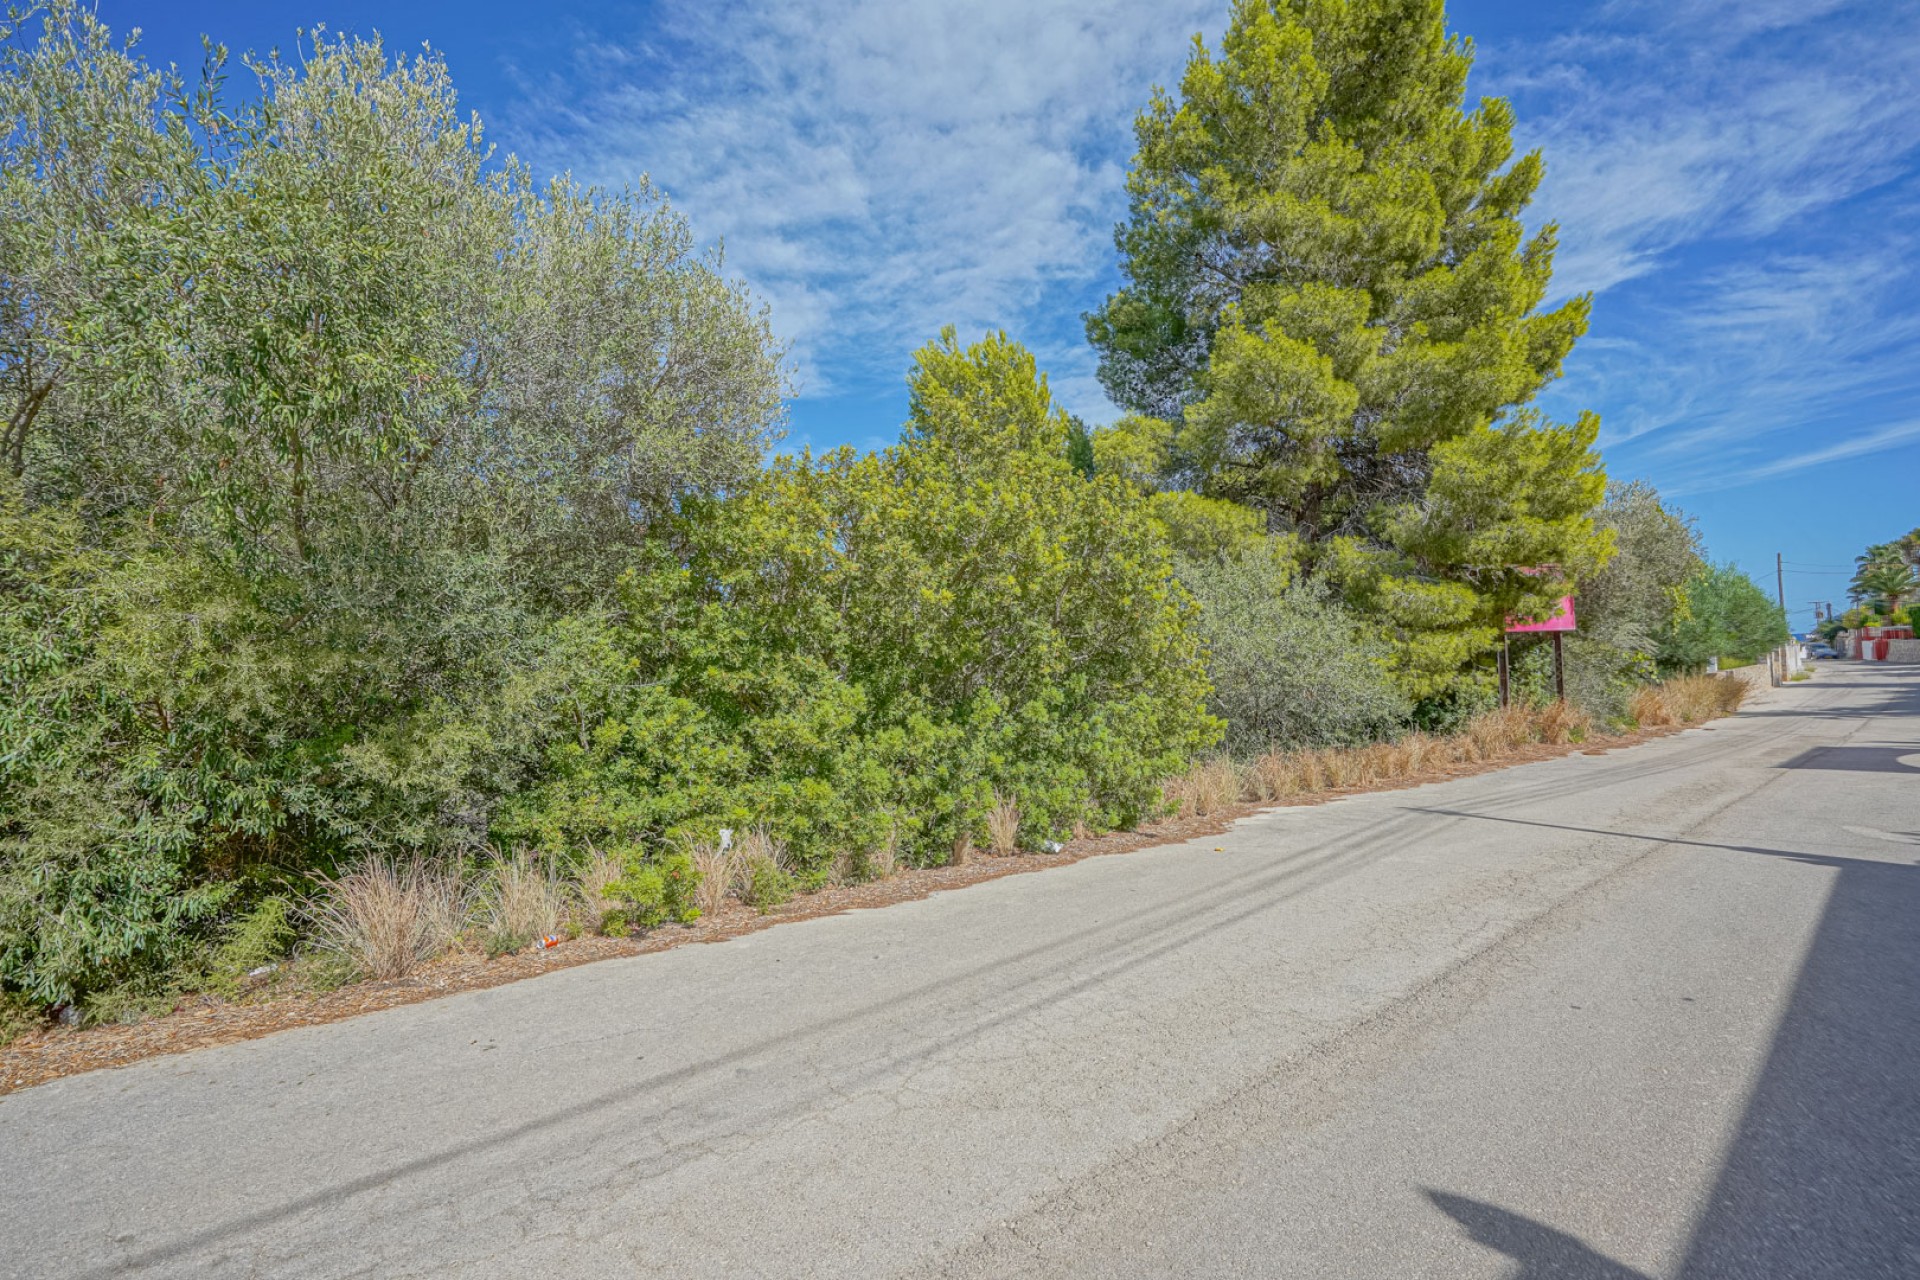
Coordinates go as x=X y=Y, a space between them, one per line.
x=1003 y=826
x=1205 y=789
x=764 y=877
x=718 y=871
x=522 y=900
x=883 y=859
x=1280 y=775
x=1562 y=722
x=385 y=917
x=1688 y=700
x=598 y=901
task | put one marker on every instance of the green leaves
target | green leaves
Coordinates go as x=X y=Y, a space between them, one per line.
x=1727 y=616
x=1331 y=291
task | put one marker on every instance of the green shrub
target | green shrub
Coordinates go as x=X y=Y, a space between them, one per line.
x=18 y=1015
x=1290 y=667
x=766 y=885
x=654 y=892
x=260 y=937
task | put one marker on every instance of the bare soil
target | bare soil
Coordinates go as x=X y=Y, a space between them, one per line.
x=51 y=1051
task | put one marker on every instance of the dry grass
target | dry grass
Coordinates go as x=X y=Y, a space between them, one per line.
x=1213 y=785
x=523 y=900
x=383 y=918
x=1206 y=788
x=719 y=871
x=1691 y=699
x=1648 y=709
x=1003 y=826
x=1688 y=700
x=597 y=876
x=759 y=846
x=1559 y=722
x=884 y=858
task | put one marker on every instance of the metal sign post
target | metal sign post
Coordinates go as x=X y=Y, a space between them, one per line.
x=1559 y=624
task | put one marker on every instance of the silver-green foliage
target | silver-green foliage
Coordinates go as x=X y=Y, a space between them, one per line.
x=314 y=419
x=1290 y=666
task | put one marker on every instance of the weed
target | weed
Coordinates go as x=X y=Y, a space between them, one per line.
x=1559 y=722
x=1205 y=789
x=384 y=917
x=522 y=900
x=258 y=938
x=884 y=858
x=1003 y=825
x=598 y=901
x=764 y=879
x=17 y=1016
x=717 y=869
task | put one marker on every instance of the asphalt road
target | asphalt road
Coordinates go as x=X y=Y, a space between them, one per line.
x=1648 y=1014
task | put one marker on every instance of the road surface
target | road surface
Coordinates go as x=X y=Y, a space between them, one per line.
x=1649 y=1014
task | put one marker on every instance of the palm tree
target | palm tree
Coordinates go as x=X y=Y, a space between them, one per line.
x=1879 y=557
x=1907 y=545
x=1889 y=582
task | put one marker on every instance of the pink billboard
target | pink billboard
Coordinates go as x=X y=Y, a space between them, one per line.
x=1562 y=619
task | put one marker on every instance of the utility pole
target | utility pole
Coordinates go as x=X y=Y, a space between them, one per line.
x=1780 y=583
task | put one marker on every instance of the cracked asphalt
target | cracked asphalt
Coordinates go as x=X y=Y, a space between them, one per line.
x=1654 y=1013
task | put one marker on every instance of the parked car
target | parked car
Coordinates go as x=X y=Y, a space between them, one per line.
x=1821 y=651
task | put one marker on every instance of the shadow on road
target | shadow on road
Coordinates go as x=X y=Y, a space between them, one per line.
x=1543 y=1253
x=1822 y=1178
x=1859 y=760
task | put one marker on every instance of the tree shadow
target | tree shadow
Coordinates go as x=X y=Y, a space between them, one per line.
x=1858 y=760
x=1543 y=1252
x=1822 y=1178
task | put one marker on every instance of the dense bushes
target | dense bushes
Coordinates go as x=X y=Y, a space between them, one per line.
x=389 y=553
x=1726 y=616
x=1289 y=665
x=477 y=582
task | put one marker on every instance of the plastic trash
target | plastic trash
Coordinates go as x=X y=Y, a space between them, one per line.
x=546 y=941
x=726 y=839
x=1051 y=846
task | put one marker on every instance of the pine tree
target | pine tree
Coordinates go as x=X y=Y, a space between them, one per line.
x=1331 y=290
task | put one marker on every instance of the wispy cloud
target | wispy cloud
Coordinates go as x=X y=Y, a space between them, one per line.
x=1727 y=175
x=1734 y=180
x=879 y=168
x=1666 y=124
x=1892 y=437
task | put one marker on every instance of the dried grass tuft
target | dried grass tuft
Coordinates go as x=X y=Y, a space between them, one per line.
x=719 y=870
x=597 y=876
x=884 y=858
x=1003 y=825
x=1560 y=722
x=522 y=900
x=1491 y=736
x=383 y=918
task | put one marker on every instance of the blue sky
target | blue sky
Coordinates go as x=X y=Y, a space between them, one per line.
x=1736 y=182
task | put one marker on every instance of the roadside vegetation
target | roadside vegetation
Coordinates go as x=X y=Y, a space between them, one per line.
x=1884 y=589
x=393 y=554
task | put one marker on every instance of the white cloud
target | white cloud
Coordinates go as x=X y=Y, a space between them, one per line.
x=879 y=168
x=1724 y=118
x=1892 y=437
